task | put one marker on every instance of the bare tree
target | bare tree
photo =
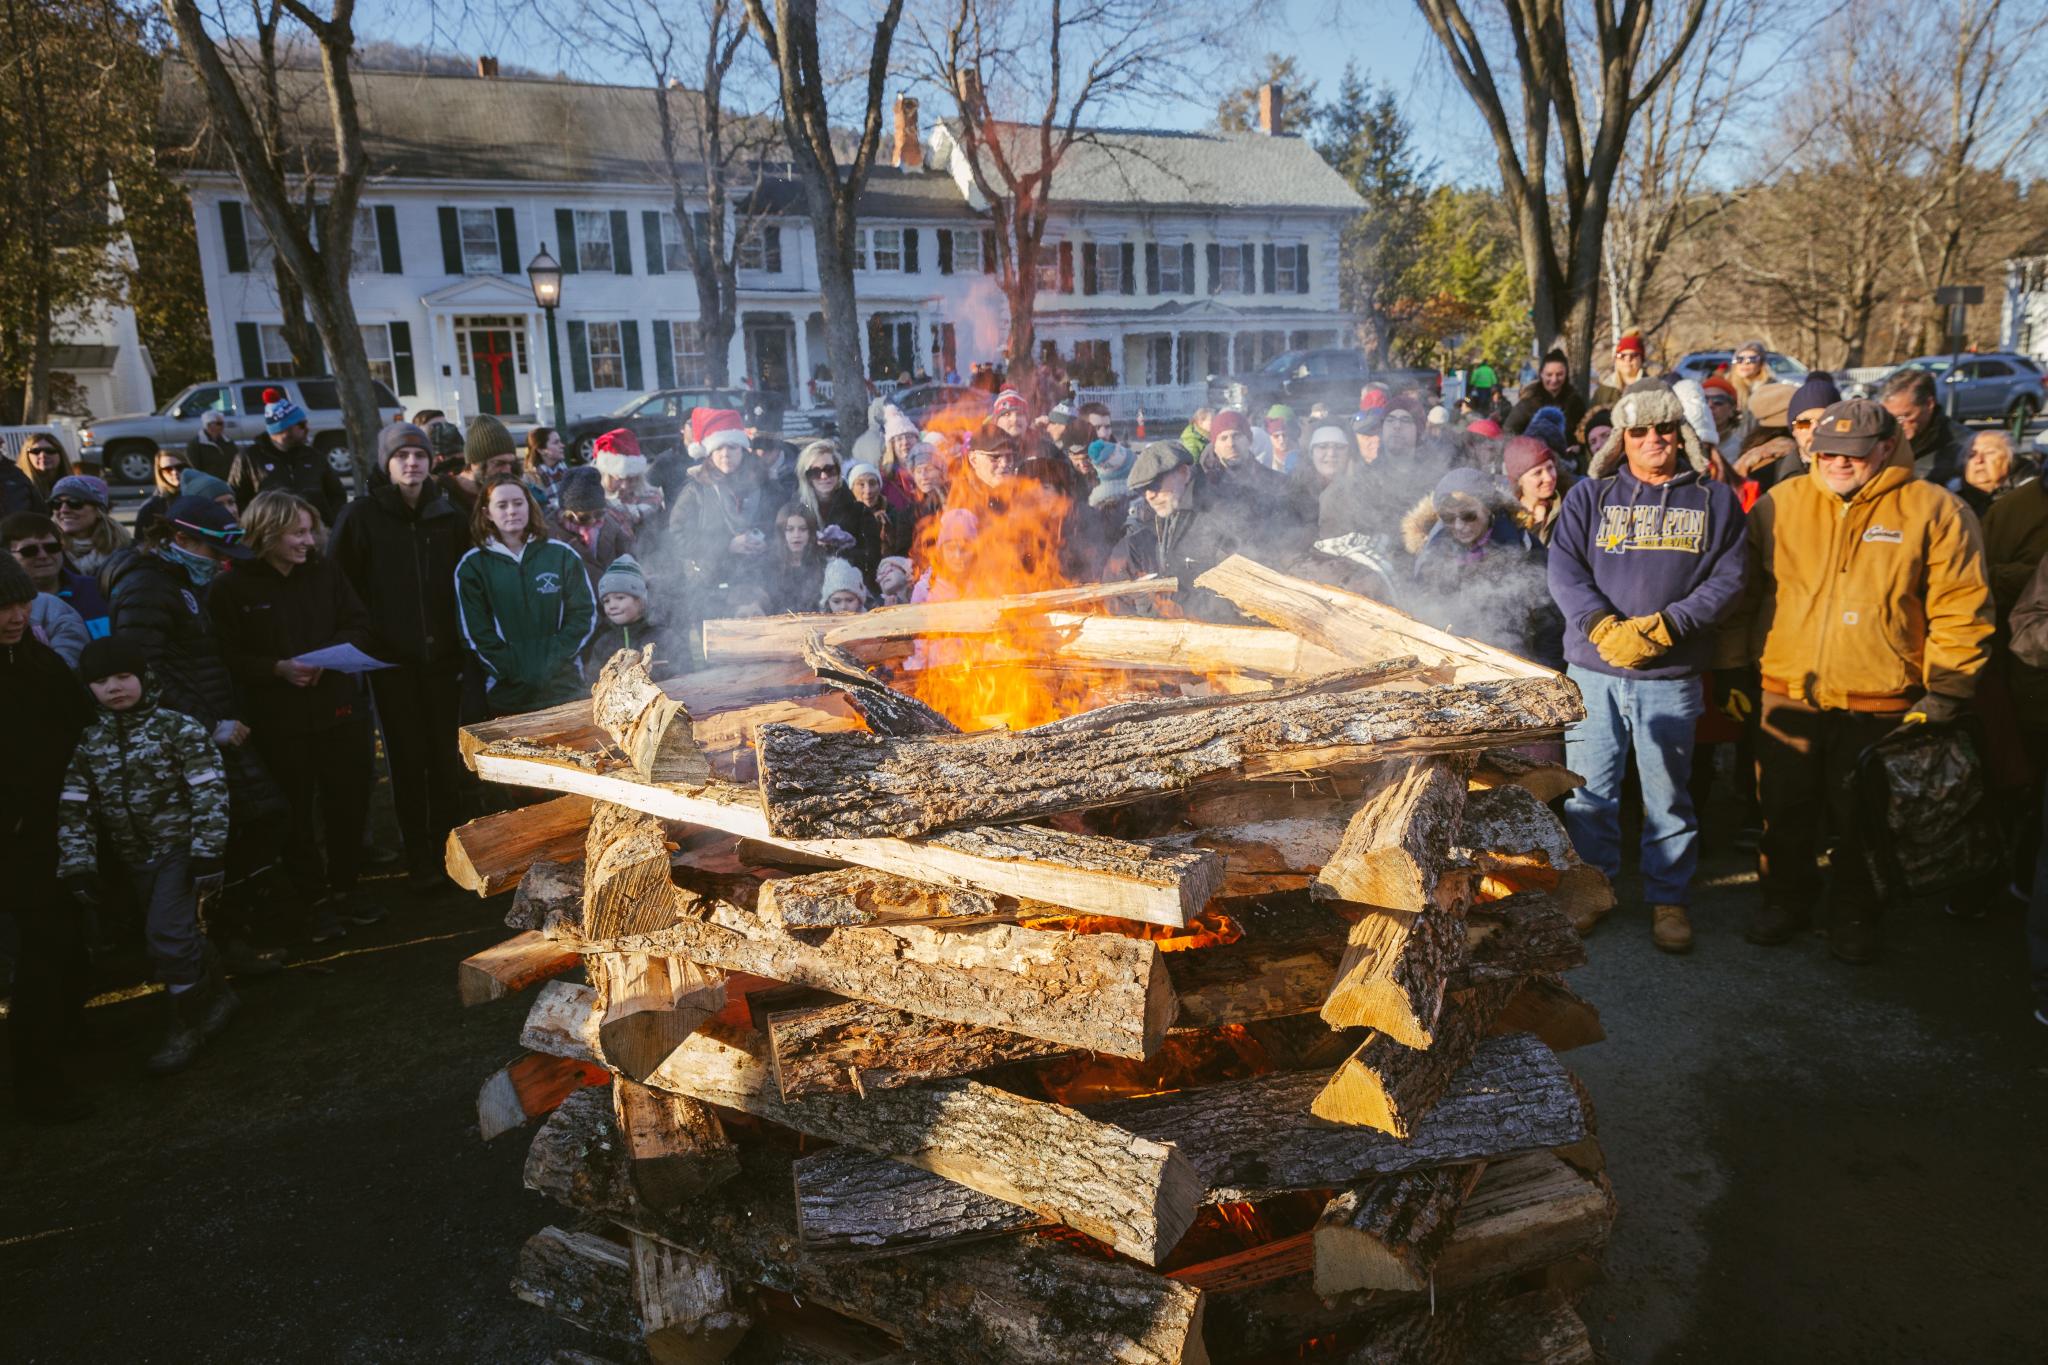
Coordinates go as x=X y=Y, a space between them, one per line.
x=712 y=157
x=1025 y=78
x=1585 y=119
x=831 y=187
x=318 y=259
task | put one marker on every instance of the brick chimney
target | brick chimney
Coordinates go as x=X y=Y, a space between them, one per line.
x=909 y=152
x=487 y=68
x=1272 y=107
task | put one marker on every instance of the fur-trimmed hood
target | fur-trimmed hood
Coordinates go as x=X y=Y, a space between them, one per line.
x=1646 y=402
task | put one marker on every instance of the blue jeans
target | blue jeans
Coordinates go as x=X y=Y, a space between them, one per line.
x=1654 y=718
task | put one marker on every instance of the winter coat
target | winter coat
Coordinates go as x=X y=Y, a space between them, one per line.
x=1535 y=398
x=262 y=467
x=792 y=586
x=1193 y=441
x=1868 y=602
x=82 y=593
x=869 y=445
x=2015 y=540
x=152 y=602
x=671 y=656
x=2027 y=661
x=18 y=492
x=48 y=708
x=60 y=627
x=401 y=562
x=211 y=457
x=598 y=546
x=527 y=615
x=1938 y=451
x=263 y=616
x=840 y=508
x=1495 y=591
x=1626 y=548
x=148 y=779
x=1187 y=544
x=710 y=510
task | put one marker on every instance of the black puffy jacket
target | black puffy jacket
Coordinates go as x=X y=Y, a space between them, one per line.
x=50 y=709
x=401 y=562
x=152 y=602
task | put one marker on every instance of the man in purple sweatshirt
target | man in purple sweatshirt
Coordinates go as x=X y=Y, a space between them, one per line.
x=1647 y=558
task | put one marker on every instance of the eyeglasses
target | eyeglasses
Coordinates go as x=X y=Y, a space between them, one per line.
x=1661 y=428
x=37 y=547
x=71 y=505
x=1750 y=359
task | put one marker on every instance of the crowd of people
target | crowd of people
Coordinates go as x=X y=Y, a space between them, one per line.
x=1740 y=567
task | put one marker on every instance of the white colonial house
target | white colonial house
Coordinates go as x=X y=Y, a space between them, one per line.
x=2024 y=321
x=1172 y=255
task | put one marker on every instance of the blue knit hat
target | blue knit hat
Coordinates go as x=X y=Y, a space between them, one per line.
x=282 y=414
x=1112 y=463
x=1547 y=426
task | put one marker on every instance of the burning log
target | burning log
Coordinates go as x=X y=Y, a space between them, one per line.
x=651 y=727
x=860 y=786
x=1396 y=852
x=887 y=711
x=1389 y=1233
x=509 y=967
x=649 y=1006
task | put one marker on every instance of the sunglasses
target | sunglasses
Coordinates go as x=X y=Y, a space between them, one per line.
x=171 y=468
x=1838 y=455
x=37 y=547
x=71 y=505
x=825 y=471
x=45 y=450
x=1461 y=516
x=1749 y=360
x=1661 y=428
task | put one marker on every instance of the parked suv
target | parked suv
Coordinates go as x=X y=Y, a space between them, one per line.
x=657 y=418
x=1300 y=379
x=125 y=447
x=1700 y=364
x=2000 y=385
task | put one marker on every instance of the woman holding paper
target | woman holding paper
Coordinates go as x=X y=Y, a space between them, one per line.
x=524 y=602
x=312 y=725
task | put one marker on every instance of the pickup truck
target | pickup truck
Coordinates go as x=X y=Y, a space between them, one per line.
x=126 y=446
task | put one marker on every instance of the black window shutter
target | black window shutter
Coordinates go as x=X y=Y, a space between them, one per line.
x=629 y=338
x=565 y=228
x=945 y=251
x=1215 y=267
x=508 y=242
x=579 y=358
x=1088 y=264
x=988 y=253
x=1249 y=254
x=1187 y=267
x=1066 y=267
x=650 y=229
x=1301 y=269
x=910 y=236
x=1269 y=267
x=771 y=248
x=451 y=242
x=249 y=341
x=390 y=259
x=1130 y=271
x=622 y=246
x=664 y=355
x=237 y=239
x=1151 y=267
x=405 y=380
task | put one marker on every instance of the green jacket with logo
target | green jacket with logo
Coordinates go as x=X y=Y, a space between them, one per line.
x=150 y=780
x=526 y=615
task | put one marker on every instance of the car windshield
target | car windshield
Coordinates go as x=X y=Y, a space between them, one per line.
x=1933 y=364
x=631 y=407
x=1282 y=363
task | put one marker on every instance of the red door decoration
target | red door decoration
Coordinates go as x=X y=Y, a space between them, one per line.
x=491 y=357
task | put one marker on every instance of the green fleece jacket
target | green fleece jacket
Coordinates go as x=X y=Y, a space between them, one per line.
x=526 y=615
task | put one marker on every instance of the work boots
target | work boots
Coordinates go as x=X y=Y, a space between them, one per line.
x=1775 y=920
x=1670 y=929
x=181 y=1038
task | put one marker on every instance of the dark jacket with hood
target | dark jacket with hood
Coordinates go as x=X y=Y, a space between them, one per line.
x=150 y=780
x=527 y=614
x=50 y=709
x=263 y=616
x=263 y=467
x=152 y=601
x=707 y=514
x=1535 y=398
x=1493 y=591
x=1189 y=543
x=401 y=562
x=1626 y=548
x=1938 y=450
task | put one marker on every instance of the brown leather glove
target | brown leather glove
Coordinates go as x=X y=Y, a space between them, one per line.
x=1627 y=644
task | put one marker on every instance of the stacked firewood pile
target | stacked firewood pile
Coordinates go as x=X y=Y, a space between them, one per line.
x=1217 y=1022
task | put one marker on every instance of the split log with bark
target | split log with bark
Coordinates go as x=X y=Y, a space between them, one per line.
x=676 y=1149
x=506 y=968
x=649 y=1006
x=1396 y=851
x=581 y=1277
x=650 y=727
x=528 y=1087
x=684 y=1302
x=491 y=855
x=1388 y=1233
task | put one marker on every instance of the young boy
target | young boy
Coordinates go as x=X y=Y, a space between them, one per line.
x=622 y=595
x=843 y=594
x=148 y=779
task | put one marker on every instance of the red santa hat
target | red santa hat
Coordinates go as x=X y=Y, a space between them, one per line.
x=1009 y=400
x=715 y=428
x=1629 y=341
x=618 y=454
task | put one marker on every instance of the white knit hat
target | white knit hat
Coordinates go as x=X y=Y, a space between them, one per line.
x=841 y=576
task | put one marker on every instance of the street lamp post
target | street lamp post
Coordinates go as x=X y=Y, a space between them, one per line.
x=544 y=272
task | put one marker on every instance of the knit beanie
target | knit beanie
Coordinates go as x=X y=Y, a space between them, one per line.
x=15 y=584
x=1371 y=398
x=1523 y=454
x=897 y=425
x=1466 y=482
x=623 y=576
x=1439 y=416
x=280 y=413
x=1112 y=464
x=486 y=439
x=1819 y=391
x=1009 y=400
x=83 y=488
x=112 y=654
x=1329 y=434
x=898 y=562
x=618 y=454
x=582 y=490
x=862 y=467
x=197 y=483
x=1547 y=426
x=1715 y=383
x=445 y=438
x=1230 y=419
x=1484 y=426
x=401 y=436
x=841 y=576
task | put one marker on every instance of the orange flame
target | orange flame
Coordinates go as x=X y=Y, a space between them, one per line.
x=1498 y=886
x=1228 y=1053
x=1210 y=929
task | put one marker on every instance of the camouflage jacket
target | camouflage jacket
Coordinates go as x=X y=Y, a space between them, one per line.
x=150 y=780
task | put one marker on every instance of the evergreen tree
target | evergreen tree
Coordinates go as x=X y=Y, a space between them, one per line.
x=1367 y=140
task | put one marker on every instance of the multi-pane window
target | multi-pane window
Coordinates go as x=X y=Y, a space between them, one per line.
x=1048 y=267
x=1109 y=268
x=878 y=249
x=377 y=348
x=674 y=255
x=966 y=251
x=277 y=352
x=607 y=356
x=479 y=241
x=1289 y=264
x=762 y=250
x=593 y=240
x=364 y=257
x=261 y=252
x=1170 y=279
x=686 y=340
x=1231 y=276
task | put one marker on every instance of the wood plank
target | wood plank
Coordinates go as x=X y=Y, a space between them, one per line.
x=490 y=855
x=762 y=638
x=854 y=1047
x=859 y=786
x=529 y=1086
x=1355 y=627
x=581 y=1277
x=1389 y=1233
x=1189 y=646
x=685 y=1304
x=505 y=968
x=648 y=1006
x=650 y=727
x=1396 y=849
x=676 y=1149
x=1079 y=871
